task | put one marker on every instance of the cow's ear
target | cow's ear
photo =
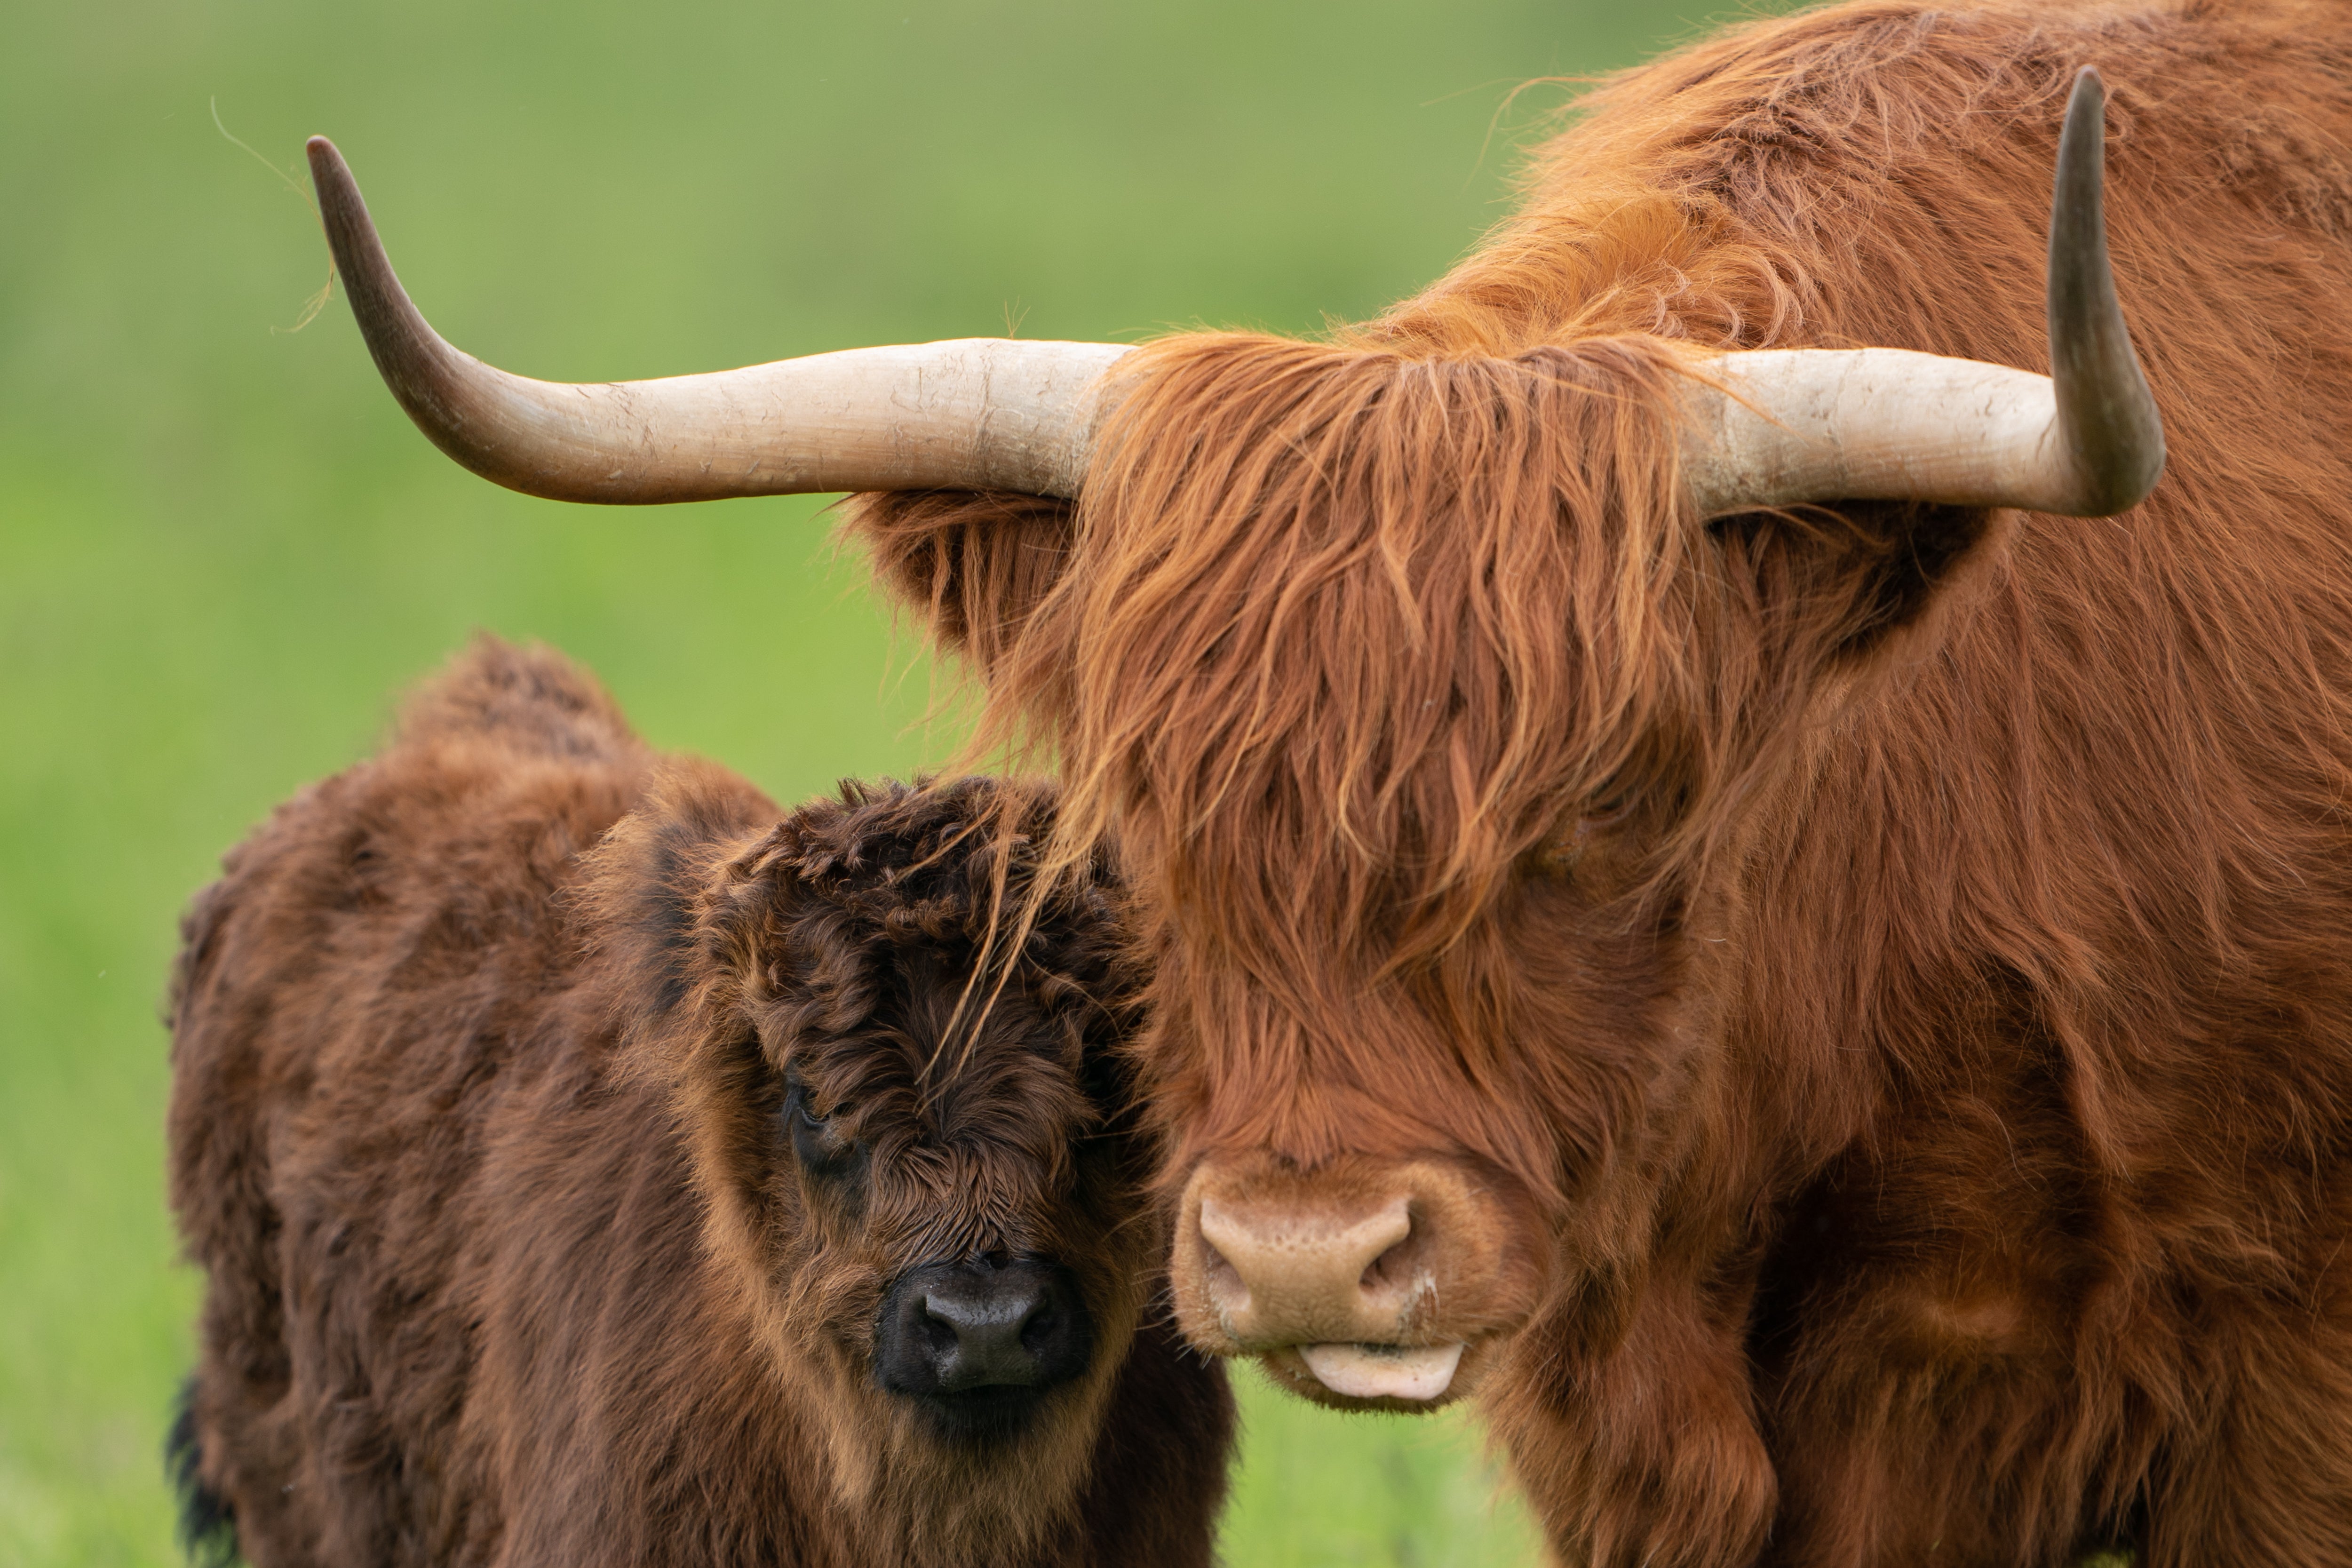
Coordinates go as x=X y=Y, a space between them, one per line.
x=1854 y=581
x=970 y=566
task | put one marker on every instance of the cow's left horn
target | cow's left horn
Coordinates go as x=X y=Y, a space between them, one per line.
x=1784 y=427
x=973 y=413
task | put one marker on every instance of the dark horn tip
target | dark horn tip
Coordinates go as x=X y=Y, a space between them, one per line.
x=2105 y=409
x=338 y=192
x=327 y=165
x=413 y=360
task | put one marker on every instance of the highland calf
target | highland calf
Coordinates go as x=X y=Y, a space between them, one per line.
x=589 y=1168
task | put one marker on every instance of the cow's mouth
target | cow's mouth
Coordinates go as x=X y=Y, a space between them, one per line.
x=1370 y=1376
x=1418 y=1373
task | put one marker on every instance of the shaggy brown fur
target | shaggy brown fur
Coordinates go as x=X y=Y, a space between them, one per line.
x=518 y=1250
x=1898 y=960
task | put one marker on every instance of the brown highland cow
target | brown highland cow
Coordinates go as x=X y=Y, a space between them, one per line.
x=1693 y=898
x=588 y=1168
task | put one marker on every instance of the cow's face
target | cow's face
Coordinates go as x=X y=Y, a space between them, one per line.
x=927 y=1182
x=1429 y=740
x=1373 y=1193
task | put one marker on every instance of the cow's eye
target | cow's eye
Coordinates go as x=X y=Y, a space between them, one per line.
x=1107 y=1079
x=1606 y=810
x=1595 y=826
x=817 y=1142
x=1592 y=826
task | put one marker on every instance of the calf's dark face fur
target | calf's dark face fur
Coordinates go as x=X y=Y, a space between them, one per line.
x=913 y=1171
x=588 y=1167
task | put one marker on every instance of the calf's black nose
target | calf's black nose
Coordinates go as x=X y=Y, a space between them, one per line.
x=978 y=1340
x=984 y=1347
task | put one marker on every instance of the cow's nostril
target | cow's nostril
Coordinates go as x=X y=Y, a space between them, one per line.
x=1272 y=1272
x=1227 y=1289
x=1390 y=1269
x=985 y=1345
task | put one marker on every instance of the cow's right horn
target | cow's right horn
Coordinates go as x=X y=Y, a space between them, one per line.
x=1776 y=428
x=972 y=414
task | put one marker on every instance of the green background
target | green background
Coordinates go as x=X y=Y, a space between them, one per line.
x=222 y=548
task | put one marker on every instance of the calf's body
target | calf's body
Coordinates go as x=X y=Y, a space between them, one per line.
x=561 y=1137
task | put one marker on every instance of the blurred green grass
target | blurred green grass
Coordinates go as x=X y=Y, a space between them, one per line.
x=221 y=550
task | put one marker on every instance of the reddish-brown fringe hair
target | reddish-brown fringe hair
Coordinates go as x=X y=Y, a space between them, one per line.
x=1463 y=606
x=1461 y=601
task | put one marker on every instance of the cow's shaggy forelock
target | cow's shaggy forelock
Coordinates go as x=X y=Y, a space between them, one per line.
x=1349 y=641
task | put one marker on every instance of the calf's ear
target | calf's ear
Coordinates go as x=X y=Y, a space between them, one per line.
x=669 y=907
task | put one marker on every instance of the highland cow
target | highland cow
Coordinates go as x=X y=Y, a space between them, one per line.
x=1689 y=898
x=587 y=1167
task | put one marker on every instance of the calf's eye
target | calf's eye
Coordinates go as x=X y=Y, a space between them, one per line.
x=818 y=1144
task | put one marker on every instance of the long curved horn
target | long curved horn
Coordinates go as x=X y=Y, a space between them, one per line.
x=971 y=414
x=1784 y=427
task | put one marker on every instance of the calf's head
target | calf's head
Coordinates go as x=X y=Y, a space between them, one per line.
x=919 y=1167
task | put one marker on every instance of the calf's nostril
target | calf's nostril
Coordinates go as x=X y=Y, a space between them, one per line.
x=981 y=1333
x=985 y=1346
